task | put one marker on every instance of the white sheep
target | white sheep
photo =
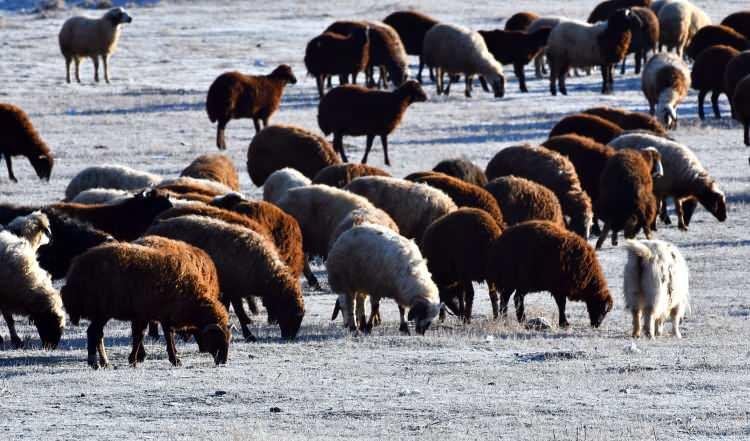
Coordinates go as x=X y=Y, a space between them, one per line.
x=373 y=260
x=91 y=37
x=540 y=68
x=281 y=181
x=655 y=285
x=118 y=177
x=679 y=21
x=95 y=196
x=34 y=227
x=665 y=81
x=458 y=50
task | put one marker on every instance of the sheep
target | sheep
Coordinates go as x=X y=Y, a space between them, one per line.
x=340 y=175
x=34 y=227
x=540 y=68
x=552 y=170
x=221 y=214
x=234 y=95
x=378 y=114
x=713 y=35
x=626 y=200
x=18 y=137
x=708 y=76
x=737 y=68
x=520 y=21
x=657 y=5
x=645 y=37
x=411 y=27
x=627 y=120
x=335 y=54
x=458 y=50
x=82 y=37
x=665 y=82
x=186 y=184
x=462 y=169
x=739 y=21
x=588 y=125
x=741 y=101
x=679 y=21
x=217 y=168
x=153 y=279
x=605 y=9
x=101 y=196
x=456 y=247
x=604 y=44
x=684 y=177
x=281 y=181
x=517 y=48
x=279 y=146
x=541 y=256
x=376 y=261
x=522 y=200
x=655 y=285
x=118 y=177
x=412 y=206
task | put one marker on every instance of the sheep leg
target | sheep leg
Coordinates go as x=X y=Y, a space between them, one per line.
x=483 y=82
x=153 y=330
x=650 y=323
x=319 y=82
x=603 y=236
x=220 y=141
x=95 y=60
x=383 y=78
x=138 y=354
x=624 y=60
x=439 y=80
x=171 y=349
x=374 y=313
x=504 y=298
x=338 y=145
x=538 y=62
x=639 y=58
x=370 y=139
x=384 y=141
x=68 y=60
x=614 y=237
x=561 y=81
x=701 y=100
x=552 y=84
x=95 y=335
x=605 y=79
x=562 y=319
x=447 y=89
x=432 y=73
x=520 y=308
x=360 y=312
x=9 y=163
x=493 y=298
x=14 y=338
x=746 y=126
x=312 y=281
x=242 y=316
x=105 y=62
x=419 y=72
x=518 y=70
x=715 y=103
x=676 y=317
x=404 y=326
x=663 y=214
x=346 y=303
x=468 y=301
x=78 y=69
x=467 y=91
x=680 y=215
x=371 y=76
x=659 y=327
x=636 y=323
x=256 y=123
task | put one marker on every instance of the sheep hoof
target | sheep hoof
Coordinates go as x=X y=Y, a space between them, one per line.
x=404 y=329
x=176 y=362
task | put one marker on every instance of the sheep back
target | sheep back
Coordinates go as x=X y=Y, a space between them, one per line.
x=627 y=120
x=520 y=21
x=411 y=27
x=587 y=156
x=594 y=127
x=213 y=167
x=340 y=175
x=739 y=21
x=118 y=177
x=709 y=68
x=462 y=169
x=713 y=35
x=522 y=200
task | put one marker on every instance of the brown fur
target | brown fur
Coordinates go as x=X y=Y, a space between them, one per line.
x=628 y=120
x=332 y=53
x=737 y=68
x=605 y=9
x=19 y=138
x=340 y=175
x=739 y=21
x=523 y=200
x=217 y=168
x=590 y=126
x=411 y=27
x=517 y=48
x=741 y=101
x=221 y=214
x=670 y=77
x=645 y=37
x=187 y=185
x=520 y=21
x=462 y=169
x=615 y=41
x=708 y=75
x=713 y=35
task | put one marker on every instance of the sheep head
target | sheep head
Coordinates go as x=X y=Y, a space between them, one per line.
x=50 y=326
x=412 y=91
x=714 y=200
x=42 y=166
x=117 y=16
x=598 y=306
x=422 y=313
x=214 y=339
x=284 y=73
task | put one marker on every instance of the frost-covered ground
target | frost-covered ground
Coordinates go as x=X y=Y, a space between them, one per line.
x=467 y=382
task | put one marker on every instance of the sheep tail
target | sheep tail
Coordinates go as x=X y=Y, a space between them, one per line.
x=637 y=248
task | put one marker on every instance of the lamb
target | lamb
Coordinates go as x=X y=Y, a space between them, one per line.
x=520 y=21
x=373 y=260
x=655 y=285
x=665 y=82
x=281 y=181
x=217 y=168
x=588 y=125
x=18 y=137
x=458 y=50
x=234 y=95
x=523 y=200
x=604 y=44
x=739 y=21
x=645 y=37
x=340 y=175
x=679 y=21
x=456 y=247
x=626 y=200
x=713 y=35
x=335 y=54
x=184 y=184
x=627 y=120
x=101 y=196
x=153 y=279
x=462 y=169
x=540 y=256
x=247 y=264
x=517 y=48
x=684 y=177
x=708 y=76
x=411 y=27
x=117 y=177
x=605 y=9
x=741 y=101
x=552 y=170
x=737 y=68
x=279 y=146
x=91 y=37
x=378 y=114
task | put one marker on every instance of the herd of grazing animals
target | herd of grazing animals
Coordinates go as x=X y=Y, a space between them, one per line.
x=180 y=251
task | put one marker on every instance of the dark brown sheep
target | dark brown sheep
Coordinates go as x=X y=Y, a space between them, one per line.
x=378 y=114
x=520 y=21
x=331 y=53
x=234 y=95
x=626 y=200
x=737 y=68
x=340 y=175
x=708 y=76
x=739 y=21
x=221 y=214
x=741 y=101
x=590 y=126
x=217 y=168
x=645 y=37
x=187 y=185
x=517 y=48
x=605 y=9
x=19 y=138
x=541 y=256
x=713 y=35
x=276 y=147
x=523 y=200
x=462 y=169
x=627 y=120
x=411 y=27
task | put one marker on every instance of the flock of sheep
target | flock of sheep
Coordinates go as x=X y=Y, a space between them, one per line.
x=180 y=251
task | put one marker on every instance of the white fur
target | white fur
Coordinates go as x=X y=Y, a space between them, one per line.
x=655 y=285
x=664 y=101
x=575 y=42
x=679 y=21
x=363 y=216
x=281 y=181
x=117 y=177
x=208 y=184
x=95 y=196
x=33 y=227
x=542 y=22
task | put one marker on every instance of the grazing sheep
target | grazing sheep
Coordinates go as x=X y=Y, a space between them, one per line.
x=708 y=76
x=277 y=147
x=645 y=38
x=627 y=120
x=101 y=196
x=522 y=200
x=376 y=261
x=281 y=181
x=713 y=35
x=737 y=68
x=605 y=9
x=153 y=279
x=340 y=175
x=118 y=177
x=19 y=138
x=665 y=82
x=412 y=26
x=456 y=247
x=334 y=54
x=679 y=21
x=684 y=177
x=462 y=169
x=655 y=285
x=186 y=184
x=517 y=48
x=520 y=21
x=91 y=37
x=578 y=44
x=588 y=125
x=626 y=199
x=541 y=256
x=378 y=114
x=458 y=50
x=234 y=95
x=217 y=168
x=739 y=21
x=552 y=170
x=741 y=101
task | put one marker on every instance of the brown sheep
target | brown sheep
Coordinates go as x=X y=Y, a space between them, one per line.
x=277 y=146
x=19 y=138
x=517 y=48
x=590 y=126
x=334 y=54
x=627 y=120
x=541 y=256
x=645 y=37
x=340 y=175
x=708 y=75
x=378 y=114
x=605 y=9
x=742 y=106
x=739 y=21
x=713 y=35
x=523 y=200
x=462 y=169
x=225 y=215
x=217 y=168
x=187 y=185
x=411 y=27
x=520 y=21
x=152 y=280
x=737 y=68
x=234 y=95
x=626 y=200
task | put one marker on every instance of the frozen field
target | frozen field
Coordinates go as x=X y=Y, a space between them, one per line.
x=487 y=380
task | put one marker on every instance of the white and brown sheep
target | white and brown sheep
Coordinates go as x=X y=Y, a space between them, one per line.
x=665 y=83
x=18 y=137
